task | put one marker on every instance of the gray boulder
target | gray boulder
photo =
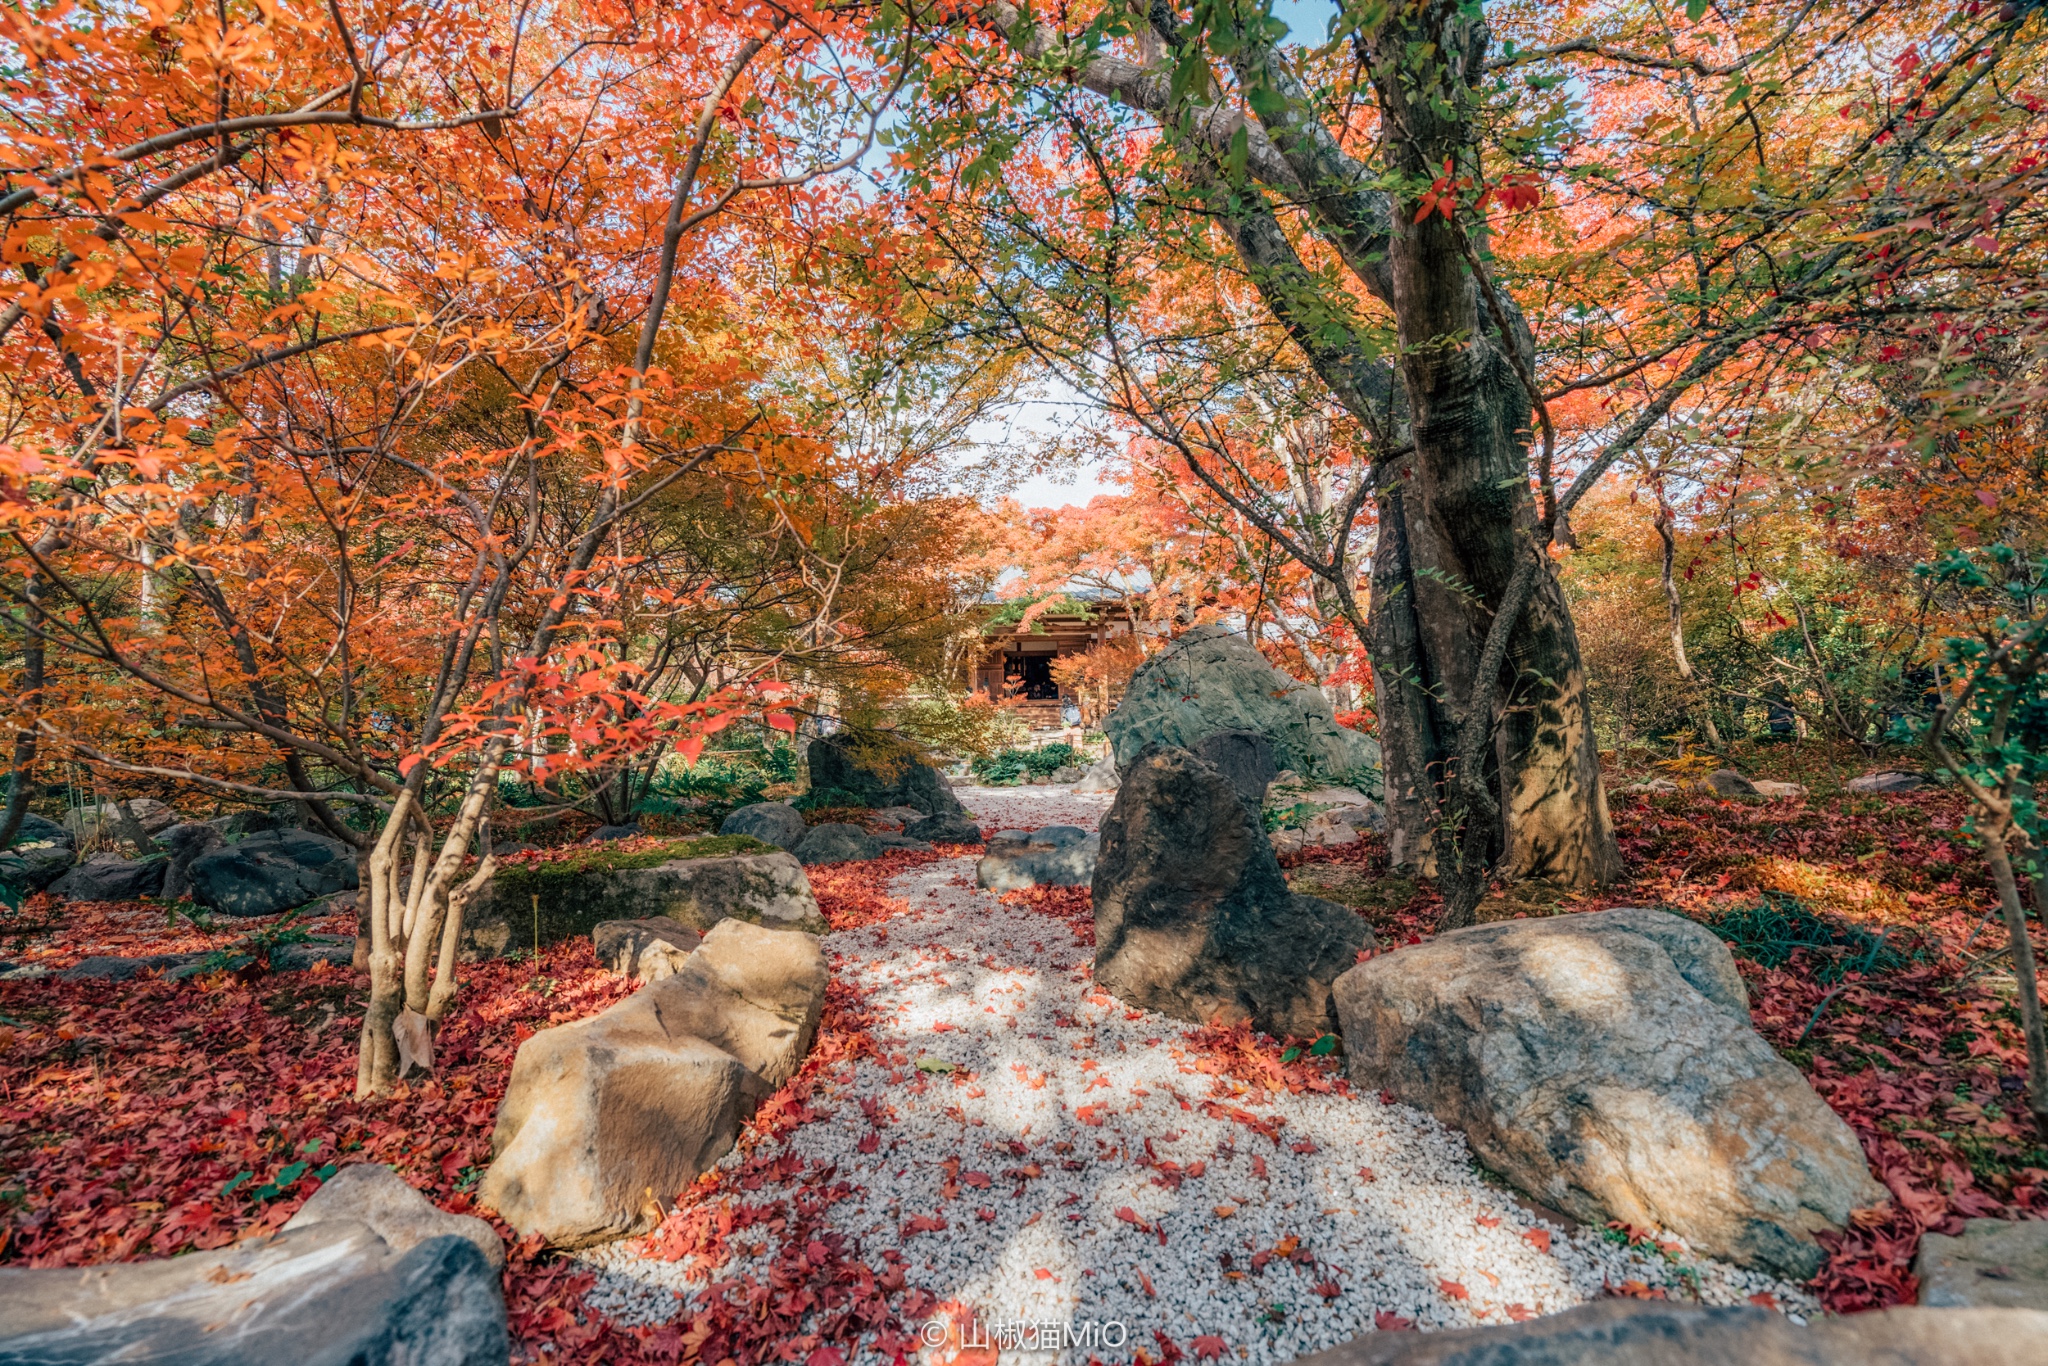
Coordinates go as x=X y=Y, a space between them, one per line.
x=1244 y=757
x=109 y=877
x=1100 y=777
x=1193 y=917
x=1209 y=680
x=108 y=968
x=272 y=871
x=837 y=842
x=1726 y=782
x=372 y=1194
x=41 y=853
x=948 y=829
x=185 y=842
x=329 y=1294
x=1889 y=780
x=882 y=770
x=900 y=816
x=338 y=949
x=1605 y=1063
x=605 y=834
x=149 y=813
x=607 y=1120
x=1066 y=773
x=248 y=822
x=776 y=823
x=647 y=949
x=1619 y=1332
x=600 y=884
x=1992 y=1264
x=1013 y=865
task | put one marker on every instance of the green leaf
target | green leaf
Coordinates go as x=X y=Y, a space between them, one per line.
x=928 y=1063
x=1240 y=152
x=1325 y=1046
x=238 y=1180
x=1695 y=10
x=1291 y=1054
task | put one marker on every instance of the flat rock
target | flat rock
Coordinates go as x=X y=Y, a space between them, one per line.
x=837 y=842
x=900 y=816
x=882 y=770
x=337 y=949
x=1208 y=680
x=1192 y=915
x=606 y=1120
x=108 y=968
x=109 y=877
x=1776 y=791
x=1013 y=865
x=372 y=1194
x=328 y=1294
x=605 y=834
x=272 y=871
x=1606 y=1064
x=1649 y=1333
x=946 y=829
x=1889 y=780
x=766 y=888
x=647 y=949
x=1994 y=1264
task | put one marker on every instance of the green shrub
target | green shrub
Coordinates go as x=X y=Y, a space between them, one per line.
x=1010 y=765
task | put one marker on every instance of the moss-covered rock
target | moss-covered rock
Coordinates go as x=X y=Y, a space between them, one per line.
x=697 y=882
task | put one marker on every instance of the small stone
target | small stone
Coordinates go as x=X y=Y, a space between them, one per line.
x=1775 y=791
x=945 y=829
x=109 y=877
x=1889 y=780
x=605 y=834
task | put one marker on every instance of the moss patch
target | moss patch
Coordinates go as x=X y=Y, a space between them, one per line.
x=1375 y=898
x=550 y=874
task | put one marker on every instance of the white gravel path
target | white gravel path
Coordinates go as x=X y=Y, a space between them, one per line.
x=1088 y=1175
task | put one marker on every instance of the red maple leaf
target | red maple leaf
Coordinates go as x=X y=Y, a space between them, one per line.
x=1208 y=1347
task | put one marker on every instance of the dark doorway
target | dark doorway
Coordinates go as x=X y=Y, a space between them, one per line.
x=1030 y=677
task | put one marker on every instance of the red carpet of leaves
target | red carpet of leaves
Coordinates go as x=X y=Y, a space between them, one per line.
x=145 y=1118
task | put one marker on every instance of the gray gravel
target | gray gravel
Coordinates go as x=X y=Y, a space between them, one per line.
x=1384 y=1203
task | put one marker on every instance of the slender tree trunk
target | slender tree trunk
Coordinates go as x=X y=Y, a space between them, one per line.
x=21 y=779
x=1702 y=709
x=2023 y=974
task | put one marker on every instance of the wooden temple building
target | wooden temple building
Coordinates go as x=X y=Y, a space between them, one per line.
x=1016 y=661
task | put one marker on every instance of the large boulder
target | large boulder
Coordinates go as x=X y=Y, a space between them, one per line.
x=1992 y=1264
x=1243 y=756
x=109 y=877
x=1192 y=915
x=606 y=1120
x=1621 y=1332
x=1605 y=1063
x=372 y=1194
x=271 y=871
x=1209 y=680
x=837 y=842
x=646 y=950
x=882 y=770
x=776 y=823
x=698 y=883
x=1726 y=782
x=331 y=1294
x=41 y=853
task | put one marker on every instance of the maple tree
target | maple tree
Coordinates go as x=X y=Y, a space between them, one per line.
x=1502 y=246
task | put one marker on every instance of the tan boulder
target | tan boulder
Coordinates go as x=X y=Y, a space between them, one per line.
x=646 y=950
x=1606 y=1064
x=755 y=993
x=1726 y=782
x=606 y=1120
